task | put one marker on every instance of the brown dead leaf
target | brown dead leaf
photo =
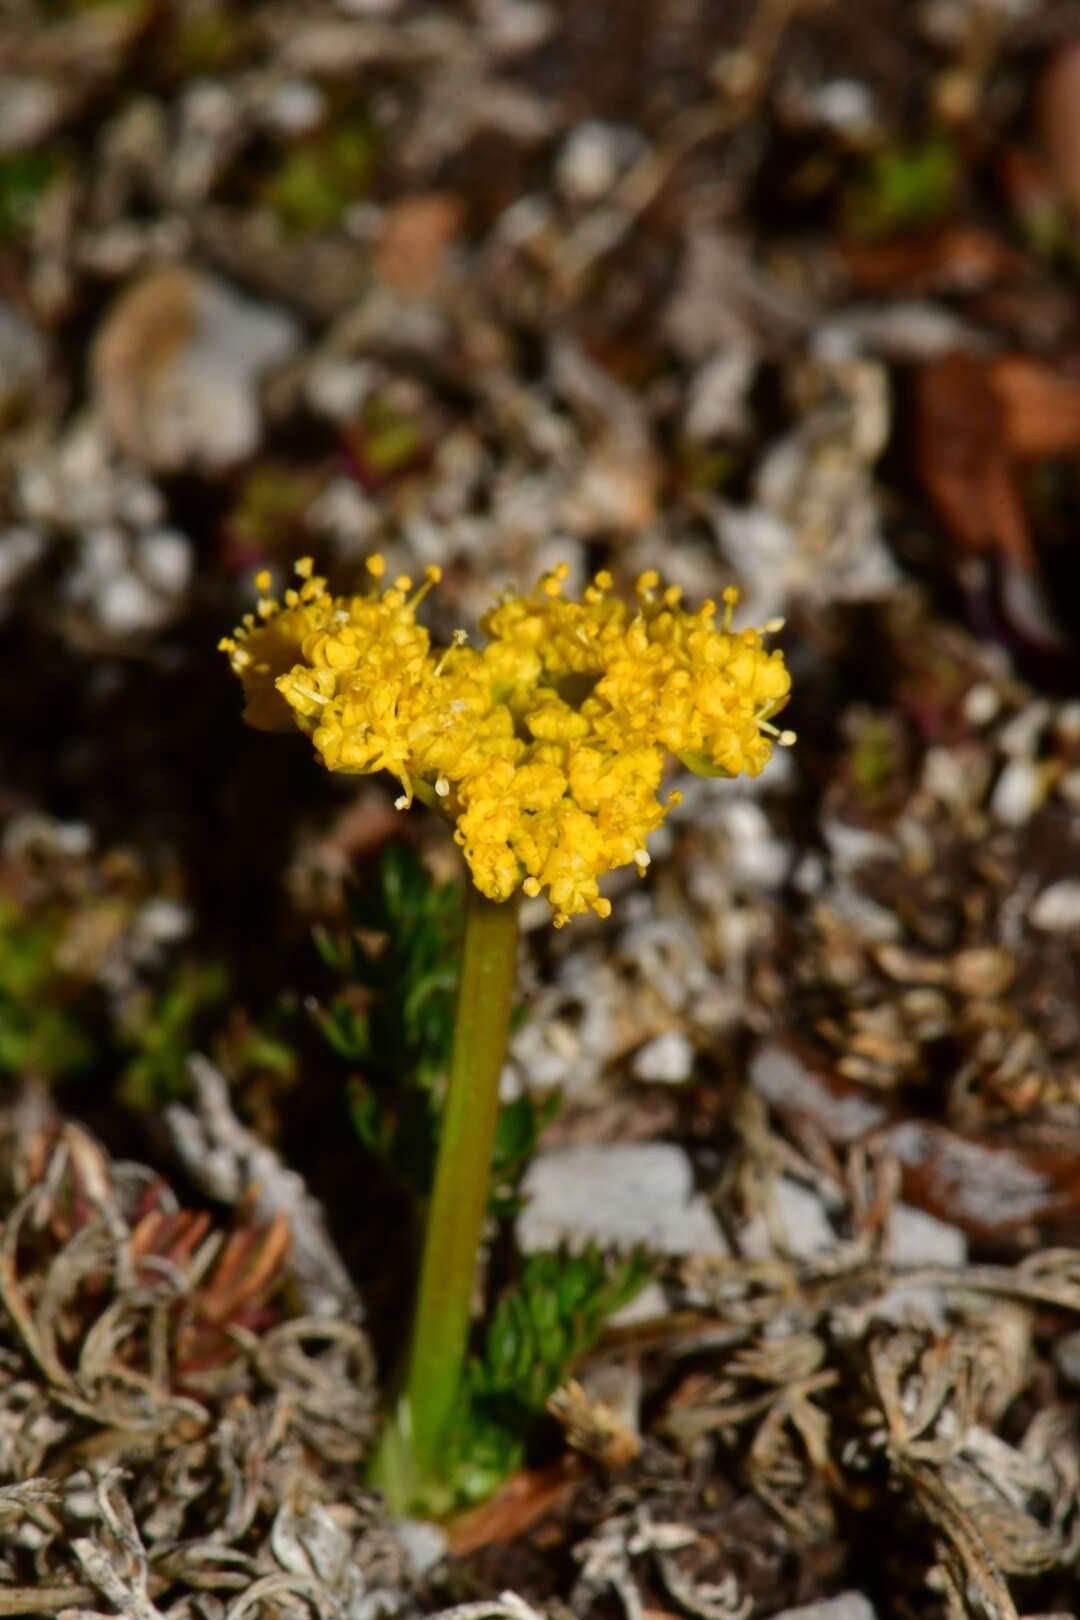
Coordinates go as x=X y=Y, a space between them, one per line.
x=593 y=1426
x=976 y=422
x=416 y=234
x=137 y=346
x=173 y=1237
x=962 y=458
x=526 y=1497
x=248 y=1270
x=984 y=1184
x=1041 y=407
x=956 y=258
x=1058 y=105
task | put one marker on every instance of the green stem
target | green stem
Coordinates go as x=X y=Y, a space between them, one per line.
x=412 y=1452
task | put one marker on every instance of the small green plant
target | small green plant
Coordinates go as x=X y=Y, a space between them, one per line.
x=205 y=39
x=908 y=186
x=877 y=759
x=544 y=752
x=24 y=179
x=385 y=442
x=318 y=179
x=42 y=1013
x=162 y=1027
x=271 y=507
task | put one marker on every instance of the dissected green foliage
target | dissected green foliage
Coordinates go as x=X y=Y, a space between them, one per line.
x=538 y=1329
x=394 y=1021
x=400 y=946
x=163 y=1027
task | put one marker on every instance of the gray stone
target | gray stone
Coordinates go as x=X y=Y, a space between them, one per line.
x=848 y=1606
x=1067 y=1357
x=22 y=357
x=803 y=1223
x=914 y=1238
x=620 y=1195
x=424 y=1544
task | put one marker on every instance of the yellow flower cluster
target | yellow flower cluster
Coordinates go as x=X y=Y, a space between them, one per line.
x=546 y=749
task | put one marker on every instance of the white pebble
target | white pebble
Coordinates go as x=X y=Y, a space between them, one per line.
x=1057 y=909
x=982 y=704
x=165 y=560
x=1017 y=793
x=665 y=1060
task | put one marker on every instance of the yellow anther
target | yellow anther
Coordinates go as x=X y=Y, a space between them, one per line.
x=458 y=639
x=305 y=567
x=263 y=580
x=376 y=565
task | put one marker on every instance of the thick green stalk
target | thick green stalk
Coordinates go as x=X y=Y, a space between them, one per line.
x=412 y=1454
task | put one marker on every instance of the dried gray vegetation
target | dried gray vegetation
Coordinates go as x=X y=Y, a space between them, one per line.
x=157 y=1444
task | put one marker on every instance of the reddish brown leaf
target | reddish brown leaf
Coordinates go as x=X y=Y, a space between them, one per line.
x=988 y=1185
x=1041 y=408
x=985 y=1185
x=248 y=1269
x=171 y=1237
x=525 y=1498
x=1059 y=120
x=962 y=457
x=416 y=235
x=956 y=258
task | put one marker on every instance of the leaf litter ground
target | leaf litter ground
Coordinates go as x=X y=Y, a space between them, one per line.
x=776 y=291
